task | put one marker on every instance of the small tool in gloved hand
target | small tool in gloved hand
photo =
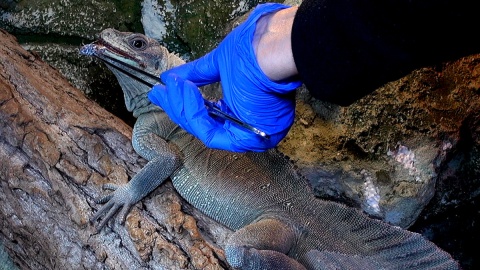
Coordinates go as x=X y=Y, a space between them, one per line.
x=150 y=80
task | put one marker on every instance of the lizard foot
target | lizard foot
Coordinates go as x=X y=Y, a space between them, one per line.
x=120 y=198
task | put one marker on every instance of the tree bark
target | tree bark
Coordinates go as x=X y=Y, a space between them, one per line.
x=57 y=148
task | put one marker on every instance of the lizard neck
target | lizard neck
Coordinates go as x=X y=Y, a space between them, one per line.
x=140 y=104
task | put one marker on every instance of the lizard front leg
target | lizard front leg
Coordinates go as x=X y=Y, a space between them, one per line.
x=262 y=245
x=164 y=159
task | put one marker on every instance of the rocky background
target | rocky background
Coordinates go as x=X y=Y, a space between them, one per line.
x=408 y=153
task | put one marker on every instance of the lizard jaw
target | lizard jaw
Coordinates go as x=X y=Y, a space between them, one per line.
x=101 y=49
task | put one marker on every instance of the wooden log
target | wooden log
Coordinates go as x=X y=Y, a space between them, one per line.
x=57 y=148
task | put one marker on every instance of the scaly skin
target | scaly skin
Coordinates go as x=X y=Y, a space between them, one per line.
x=278 y=222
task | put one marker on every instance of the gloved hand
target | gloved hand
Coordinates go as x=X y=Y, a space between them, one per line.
x=249 y=94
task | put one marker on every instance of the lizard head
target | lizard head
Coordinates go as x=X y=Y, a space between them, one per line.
x=143 y=54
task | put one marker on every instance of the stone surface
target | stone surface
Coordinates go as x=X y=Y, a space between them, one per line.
x=400 y=142
x=191 y=28
x=68 y=19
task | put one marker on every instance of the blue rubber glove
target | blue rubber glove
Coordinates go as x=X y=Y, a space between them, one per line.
x=249 y=94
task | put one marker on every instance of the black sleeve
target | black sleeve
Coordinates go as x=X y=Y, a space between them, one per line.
x=345 y=49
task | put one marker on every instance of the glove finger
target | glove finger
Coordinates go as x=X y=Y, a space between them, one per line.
x=165 y=98
x=201 y=72
x=194 y=104
x=175 y=97
x=157 y=95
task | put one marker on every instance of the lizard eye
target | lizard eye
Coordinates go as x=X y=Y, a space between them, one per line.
x=138 y=43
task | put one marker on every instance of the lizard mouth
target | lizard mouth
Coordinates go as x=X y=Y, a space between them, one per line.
x=102 y=50
x=105 y=46
x=120 y=61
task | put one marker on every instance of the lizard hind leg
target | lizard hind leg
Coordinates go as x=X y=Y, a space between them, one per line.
x=262 y=245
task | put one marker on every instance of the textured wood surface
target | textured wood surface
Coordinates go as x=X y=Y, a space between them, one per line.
x=57 y=149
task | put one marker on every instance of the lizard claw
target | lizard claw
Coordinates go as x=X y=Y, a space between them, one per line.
x=112 y=210
x=120 y=198
x=110 y=186
x=108 y=207
x=106 y=198
x=103 y=199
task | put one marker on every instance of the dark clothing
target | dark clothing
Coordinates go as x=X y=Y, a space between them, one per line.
x=345 y=49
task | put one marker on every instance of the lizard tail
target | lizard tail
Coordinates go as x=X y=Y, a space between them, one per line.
x=348 y=239
x=327 y=260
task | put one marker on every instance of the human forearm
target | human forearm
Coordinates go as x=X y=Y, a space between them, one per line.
x=272 y=44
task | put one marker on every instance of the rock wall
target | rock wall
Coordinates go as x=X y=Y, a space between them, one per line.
x=55 y=29
x=393 y=147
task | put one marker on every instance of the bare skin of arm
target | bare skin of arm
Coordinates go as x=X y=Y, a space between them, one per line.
x=272 y=44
